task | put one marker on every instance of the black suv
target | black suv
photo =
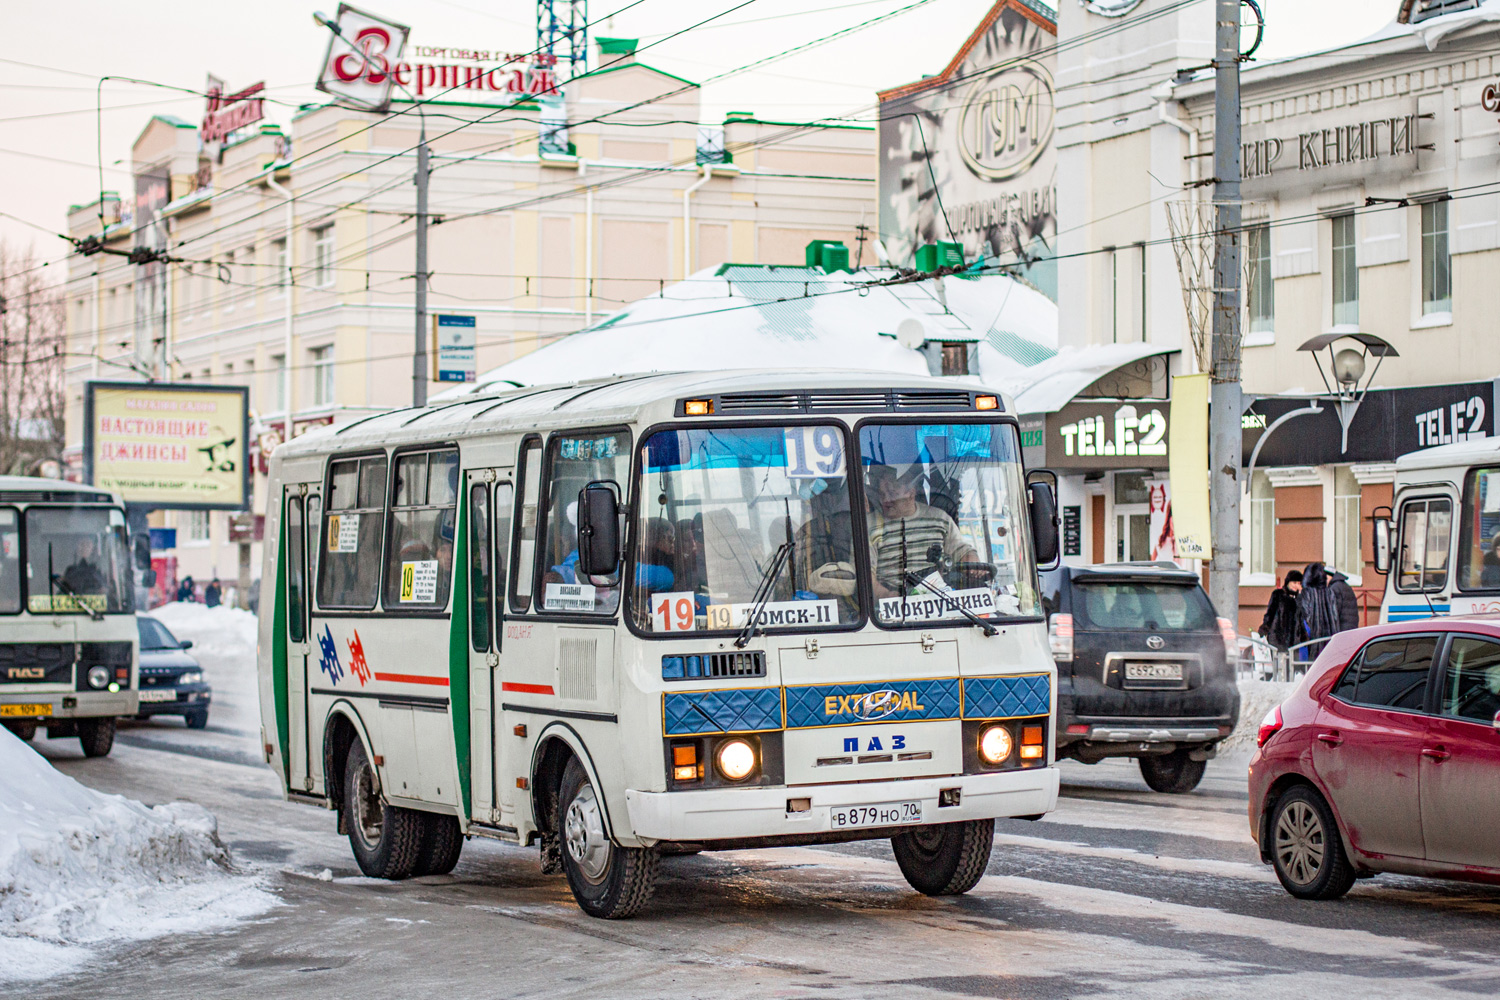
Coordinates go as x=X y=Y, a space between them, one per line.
x=1144 y=668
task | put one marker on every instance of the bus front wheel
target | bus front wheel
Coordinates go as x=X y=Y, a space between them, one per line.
x=609 y=881
x=97 y=736
x=386 y=839
x=945 y=859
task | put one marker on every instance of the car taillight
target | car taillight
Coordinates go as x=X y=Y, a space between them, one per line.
x=1231 y=641
x=1060 y=637
x=1269 y=726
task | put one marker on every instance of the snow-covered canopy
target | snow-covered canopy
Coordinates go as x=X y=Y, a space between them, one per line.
x=742 y=316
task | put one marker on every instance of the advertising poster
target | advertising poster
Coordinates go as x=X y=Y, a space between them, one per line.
x=169 y=445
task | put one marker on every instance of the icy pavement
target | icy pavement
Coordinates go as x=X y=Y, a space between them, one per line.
x=80 y=869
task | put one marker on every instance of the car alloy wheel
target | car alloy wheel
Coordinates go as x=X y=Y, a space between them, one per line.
x=1301 y=842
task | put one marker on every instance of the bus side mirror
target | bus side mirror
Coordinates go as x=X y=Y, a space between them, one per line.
x=1381 y=543
x=142 y=551
x=1042 y=499
x=599 y=529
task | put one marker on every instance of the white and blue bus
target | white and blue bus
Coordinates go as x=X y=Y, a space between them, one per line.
x=68 y=640
x=664 y=613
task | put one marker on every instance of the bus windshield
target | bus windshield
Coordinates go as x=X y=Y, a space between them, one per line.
x=948 y=531
x=730 y=512
x=77 y=561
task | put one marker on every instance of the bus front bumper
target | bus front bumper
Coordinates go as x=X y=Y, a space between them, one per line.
x=736 y=813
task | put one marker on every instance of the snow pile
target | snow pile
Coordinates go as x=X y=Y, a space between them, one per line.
x=80 y=868
x=1256 y=699
x=224 y=645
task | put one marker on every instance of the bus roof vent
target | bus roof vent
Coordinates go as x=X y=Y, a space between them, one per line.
x=834 y=401
x=934 y=399
x=759 y=402
x=52 y=496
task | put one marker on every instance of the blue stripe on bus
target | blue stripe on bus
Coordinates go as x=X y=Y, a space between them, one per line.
x=1007 y=697
x=690 y=713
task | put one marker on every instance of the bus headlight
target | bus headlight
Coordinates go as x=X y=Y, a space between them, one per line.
x=736 y=759
x=98 y=677
x=995 y=745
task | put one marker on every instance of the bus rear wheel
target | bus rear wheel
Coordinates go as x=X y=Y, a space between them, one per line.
x=97 y=736
x=386 y=839
x=442 y=843
x=609 y=881
x=945 y=859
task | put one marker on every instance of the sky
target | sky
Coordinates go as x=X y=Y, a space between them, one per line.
x=52 y=59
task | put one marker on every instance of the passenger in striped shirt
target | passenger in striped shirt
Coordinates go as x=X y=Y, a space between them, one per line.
x=905 y=534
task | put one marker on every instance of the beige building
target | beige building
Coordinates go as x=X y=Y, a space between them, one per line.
x=532 y=244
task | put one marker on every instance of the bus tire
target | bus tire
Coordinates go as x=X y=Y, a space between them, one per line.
x=97 y=736
x=945 y=859
x=442 y=843
x=385 y=839
x=23 y=731
x=609 y=881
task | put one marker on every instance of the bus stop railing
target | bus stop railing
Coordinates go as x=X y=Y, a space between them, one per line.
x=1259 y=660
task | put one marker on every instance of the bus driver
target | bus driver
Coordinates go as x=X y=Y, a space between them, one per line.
x=908 y=538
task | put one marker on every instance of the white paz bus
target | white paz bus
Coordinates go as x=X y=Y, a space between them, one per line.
x=68 y=640
x=1441 y=547
x=663 y=613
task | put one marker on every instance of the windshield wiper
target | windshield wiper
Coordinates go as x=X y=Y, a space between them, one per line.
x=914 y=580
x=67 y=588
x=763 y=593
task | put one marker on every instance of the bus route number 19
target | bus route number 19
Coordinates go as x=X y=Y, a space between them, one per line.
x=673 y=612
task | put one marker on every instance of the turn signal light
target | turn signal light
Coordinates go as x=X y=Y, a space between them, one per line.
x=698 y=407
x=986 y=403
x=1231 y=641
x=685 y=762
x=1032 y=747
x=1269 y=726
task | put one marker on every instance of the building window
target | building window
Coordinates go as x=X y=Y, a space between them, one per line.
x=1262 y=518
x=197 y=526
x=322 y=374
x=322 y=275
x=278 y=254
x=278 y=381
x=1437 y=274
x=1423 y=9
x=1347 y=558
x=1345 y=273
x=1262 y=285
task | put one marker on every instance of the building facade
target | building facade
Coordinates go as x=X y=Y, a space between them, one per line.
x=295 y=254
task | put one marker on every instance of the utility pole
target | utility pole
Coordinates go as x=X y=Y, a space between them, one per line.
x=1224 y=399
x=419 y=355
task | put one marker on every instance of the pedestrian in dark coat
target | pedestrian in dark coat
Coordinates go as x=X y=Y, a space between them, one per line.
x=1327 y=603
x=1281 y=625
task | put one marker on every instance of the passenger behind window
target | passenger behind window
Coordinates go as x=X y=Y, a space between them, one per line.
x=825 y=548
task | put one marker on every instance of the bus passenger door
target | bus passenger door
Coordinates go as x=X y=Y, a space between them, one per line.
x=299 y=764
x=489 y=498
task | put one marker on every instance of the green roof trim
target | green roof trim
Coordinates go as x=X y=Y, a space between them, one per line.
x=617 y=46
x=751 y=120
x=633 y=65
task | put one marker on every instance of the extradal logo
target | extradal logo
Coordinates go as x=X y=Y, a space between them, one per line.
x=872 y=705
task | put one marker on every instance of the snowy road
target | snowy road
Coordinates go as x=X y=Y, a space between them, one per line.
x=1119 y=893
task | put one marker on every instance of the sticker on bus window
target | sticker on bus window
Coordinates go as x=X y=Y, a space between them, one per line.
x=568 y=597
x=814 y=453
x=673 y=612
x=419 y=581
x=776 y=614
x=584 y=449
x=343 y=533
x=1491 y=493
x=925 y=606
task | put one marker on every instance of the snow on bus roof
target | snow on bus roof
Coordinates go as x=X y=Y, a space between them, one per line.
x=1458 y=453
x=597 y=401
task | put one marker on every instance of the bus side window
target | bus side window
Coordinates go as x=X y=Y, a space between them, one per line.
x=296 y=572
x=419 y=552
x=10 y=561
x=349 y=570
x=1479 y=537
x=504 y=499
x=1426 y=527
x=524 y=565
x=479 y=567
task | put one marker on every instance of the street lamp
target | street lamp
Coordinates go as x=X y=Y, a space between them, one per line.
x=1346 y=370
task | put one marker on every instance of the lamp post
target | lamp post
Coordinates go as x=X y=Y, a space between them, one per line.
x=419 y=344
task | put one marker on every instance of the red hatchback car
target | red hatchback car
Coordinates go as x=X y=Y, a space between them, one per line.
x=1386 y=758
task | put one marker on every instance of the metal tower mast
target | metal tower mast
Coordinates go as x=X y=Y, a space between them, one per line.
x=562 y=32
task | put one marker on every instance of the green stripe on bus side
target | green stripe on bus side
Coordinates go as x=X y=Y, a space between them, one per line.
x=278 y=652
x=458 y=654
